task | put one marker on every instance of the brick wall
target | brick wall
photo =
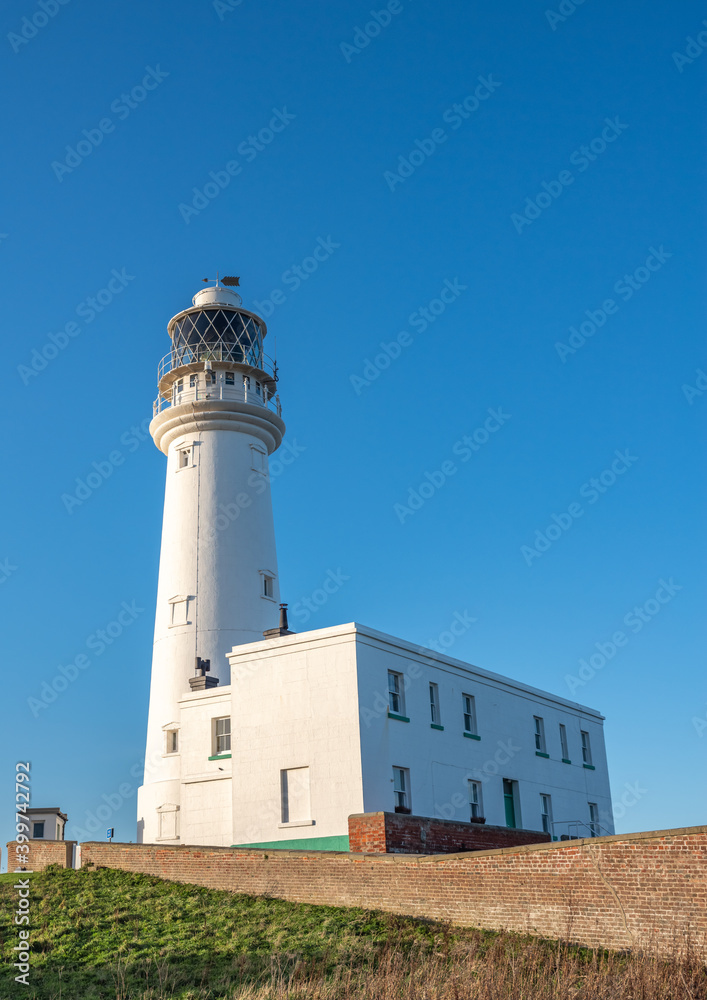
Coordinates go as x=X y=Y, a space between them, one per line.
x=396 y=833
x=41 y=853
x=638 y=890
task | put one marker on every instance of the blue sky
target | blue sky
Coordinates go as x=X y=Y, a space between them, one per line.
x=411 y=197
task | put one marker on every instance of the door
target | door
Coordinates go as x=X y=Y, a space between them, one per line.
x=509 y=803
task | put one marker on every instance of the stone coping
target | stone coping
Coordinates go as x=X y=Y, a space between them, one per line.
x=417 y=858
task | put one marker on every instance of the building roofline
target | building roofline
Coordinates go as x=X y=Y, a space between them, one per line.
x=303 y=638
x=49 y=809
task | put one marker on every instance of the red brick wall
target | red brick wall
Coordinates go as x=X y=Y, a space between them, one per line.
x=639 y=890
x=41 y=853
x=396 y=833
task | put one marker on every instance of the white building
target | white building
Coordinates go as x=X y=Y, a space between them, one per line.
x=305 y=729
x=46 y=824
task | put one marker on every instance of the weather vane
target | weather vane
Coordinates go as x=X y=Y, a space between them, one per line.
x=227 y=280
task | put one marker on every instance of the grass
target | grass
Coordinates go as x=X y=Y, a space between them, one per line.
x=112 y=935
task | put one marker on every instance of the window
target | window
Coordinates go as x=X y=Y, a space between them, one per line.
x=563 y=743
x=180 y=384
x=475 y=806
x=37 y=831
x=594 y=828
x=172 y=742
x=401 y=789
x=294 y=795
x=193 y=381
x=434 y=704
x=546 y=813
x=510 y=803
x=222 y=735
x=258 y=460
x=179 y=611
x=168 y=825
x=211 y=378
x=469 y=706
x=246 y=382
x=257 y=388
x=267 y=586
x=396 y=694
x=184 y=458
x=230 y=378
x=586 y=749
x=539 y=734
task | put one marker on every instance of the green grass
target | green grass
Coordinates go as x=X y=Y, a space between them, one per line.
x=111 y=935
x=92 y=931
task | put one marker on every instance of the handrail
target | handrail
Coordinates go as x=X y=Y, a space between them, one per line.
x=233 y=355
x=219 y=391
x=577 y=823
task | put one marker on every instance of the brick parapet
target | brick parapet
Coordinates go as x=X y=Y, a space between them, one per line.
x=398 y=833
x=642 y=890
x=41 y=854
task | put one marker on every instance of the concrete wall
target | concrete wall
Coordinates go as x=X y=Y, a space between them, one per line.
x=295 y=706
x=393 y=833
x=638 y=890
x=41 y=853
x=441 y=762
x=206 y=798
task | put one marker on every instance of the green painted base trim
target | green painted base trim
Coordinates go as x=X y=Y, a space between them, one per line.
x=398 y=718
x=304 y=844
x=566 y=761
x=472 y=736
x=589 y=767
x=539 y=753
x=433 y=725
x=220 y=756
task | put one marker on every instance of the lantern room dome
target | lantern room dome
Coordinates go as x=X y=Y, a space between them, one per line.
x=217 y=295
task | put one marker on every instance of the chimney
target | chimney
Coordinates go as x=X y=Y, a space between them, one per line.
x=282 y=629
x=200 y=682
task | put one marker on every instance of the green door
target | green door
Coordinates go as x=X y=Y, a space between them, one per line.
x=508 y=803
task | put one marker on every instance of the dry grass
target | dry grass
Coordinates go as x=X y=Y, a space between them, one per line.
x=512 y=969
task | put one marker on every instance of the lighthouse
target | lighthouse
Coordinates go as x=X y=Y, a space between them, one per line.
x=261 y=737
x=217 y=418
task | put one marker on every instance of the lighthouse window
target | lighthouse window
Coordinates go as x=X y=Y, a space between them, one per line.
x=230 y=378
x=257 y=388
x=180 y=384
x=258 y=460
x=211 y=378
x=267 y=586
x=179 y=611
x=192 y=381
x=184 y=458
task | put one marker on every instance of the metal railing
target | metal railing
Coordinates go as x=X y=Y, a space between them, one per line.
x=220 y=390
x=225 y=354
x=595 y=829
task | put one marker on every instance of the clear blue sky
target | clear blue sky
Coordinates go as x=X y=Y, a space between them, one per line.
x=460 y=217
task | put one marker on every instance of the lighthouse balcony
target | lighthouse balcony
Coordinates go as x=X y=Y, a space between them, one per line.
x=214 y=377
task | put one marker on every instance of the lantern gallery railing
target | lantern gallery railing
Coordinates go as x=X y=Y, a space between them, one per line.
x=218 y=385
x=233 y=354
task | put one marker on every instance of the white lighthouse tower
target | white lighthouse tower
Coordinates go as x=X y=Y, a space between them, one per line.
x=216 y=418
